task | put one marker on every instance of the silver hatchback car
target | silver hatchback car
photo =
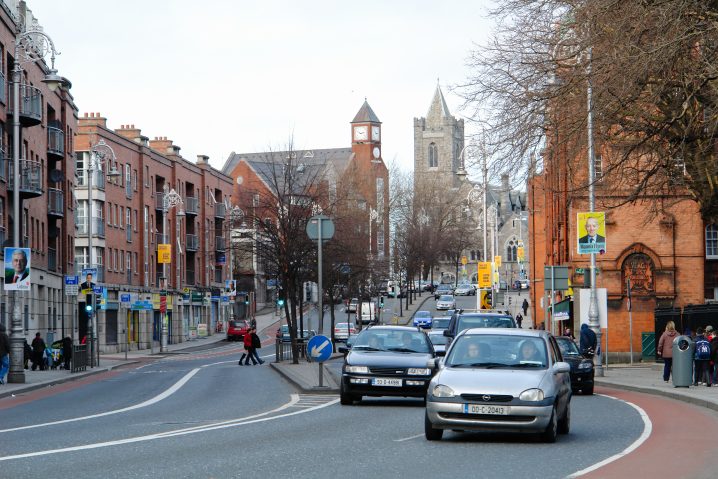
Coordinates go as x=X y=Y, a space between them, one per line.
x=509 y=380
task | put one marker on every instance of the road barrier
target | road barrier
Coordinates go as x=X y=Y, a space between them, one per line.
x=283 y=350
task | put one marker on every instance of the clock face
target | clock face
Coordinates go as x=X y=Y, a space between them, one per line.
x=360 y=133
x=375 y=133
x=376 y=152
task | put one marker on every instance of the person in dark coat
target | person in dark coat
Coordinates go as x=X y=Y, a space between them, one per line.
x=67 y=351
x=256 y=344
x=525 y=306
x=519 y=319
x=28 y=354
x=38 y=349
x=587 y=340
x=247 y=349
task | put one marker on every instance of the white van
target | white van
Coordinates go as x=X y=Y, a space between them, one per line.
x=367 y=312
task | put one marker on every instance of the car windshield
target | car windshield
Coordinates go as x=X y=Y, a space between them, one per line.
x=568 y=347
x=468 y=321
x=446 y=297
x=441 y=323
x=391 y=340
x=422 y=314
x=497 y=351
x=444 y=287
x=438 y=338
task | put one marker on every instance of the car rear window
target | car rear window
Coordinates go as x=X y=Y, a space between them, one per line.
x=468 y=321
x=237 y=324
x=446 y=297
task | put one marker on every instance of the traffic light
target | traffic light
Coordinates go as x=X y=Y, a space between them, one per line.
x=280 y=302
x=490 y=298
x=88 y=308
x=246 y=300
x=381 y=301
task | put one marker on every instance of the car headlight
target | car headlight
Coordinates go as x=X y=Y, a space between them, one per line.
x=532 y=395
x=442 y=391
x=357 y=369
x=586 y=365
x=419 y=371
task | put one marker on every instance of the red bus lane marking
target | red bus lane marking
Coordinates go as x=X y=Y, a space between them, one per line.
x=682 y=443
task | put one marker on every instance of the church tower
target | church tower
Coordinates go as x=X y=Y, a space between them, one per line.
x=438 y=141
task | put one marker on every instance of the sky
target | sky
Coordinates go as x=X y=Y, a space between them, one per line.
x=222 y=76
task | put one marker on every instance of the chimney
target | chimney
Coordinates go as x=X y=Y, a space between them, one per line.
x=505 y=196
x=92 y=119
x=161 y=144
x=130 y=132
x=202 y=159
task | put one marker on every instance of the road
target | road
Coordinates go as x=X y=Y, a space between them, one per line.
x=200 y=415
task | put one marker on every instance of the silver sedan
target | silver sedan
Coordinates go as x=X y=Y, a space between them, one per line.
x=445 y=301
x=508 y=380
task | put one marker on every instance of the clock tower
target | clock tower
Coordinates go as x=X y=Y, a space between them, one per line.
x=366 y=135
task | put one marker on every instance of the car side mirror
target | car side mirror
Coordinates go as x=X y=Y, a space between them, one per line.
x=561 y=367
x=343 y=349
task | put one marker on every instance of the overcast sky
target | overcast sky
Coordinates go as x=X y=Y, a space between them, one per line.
x=232 y=75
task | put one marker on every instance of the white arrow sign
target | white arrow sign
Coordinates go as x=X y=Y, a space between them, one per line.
x=317 y=350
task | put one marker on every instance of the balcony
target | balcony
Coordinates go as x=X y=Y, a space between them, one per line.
x=55 y=143
x=192 y=242
x=159 y=201
x=189 y=278
x=30 y=105
x=30 y=178
x=98 y=227
x=51 y=259
x=219 y=210
x=191 y=205
x=55 y=202
x=219 y=243
x=3 y=235
x=98 y=179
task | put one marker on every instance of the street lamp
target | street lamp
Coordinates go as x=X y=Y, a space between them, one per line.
x=170 y=199
x=235 y=215
x=31 y=46
x=100 y=154
x=478 y=195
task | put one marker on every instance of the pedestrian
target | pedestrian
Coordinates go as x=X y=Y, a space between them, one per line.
x=247 y=340
x=702 y=357
x=665 y=348
x=519 y=319
x=27 y=354
x=525 y=306
x=714 y=358
x=4 y=354
x=567 y=332
x=256 y=344
x=67 y=351
x=587 y=341
x=710 y=335
x=38 y=349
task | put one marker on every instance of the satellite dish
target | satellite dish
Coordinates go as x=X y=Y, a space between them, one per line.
x=57 y=176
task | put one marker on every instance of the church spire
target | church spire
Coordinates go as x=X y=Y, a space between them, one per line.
x=438 y=109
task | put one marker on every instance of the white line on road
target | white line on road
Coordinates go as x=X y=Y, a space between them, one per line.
x=181 y=432
x=163 y=395
x=647 y=429
x=409 y=438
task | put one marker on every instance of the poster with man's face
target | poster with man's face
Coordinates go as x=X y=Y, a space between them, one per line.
x=17 y=269
x=591 y=229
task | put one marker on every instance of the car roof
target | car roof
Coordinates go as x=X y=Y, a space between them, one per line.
x=533 y=333
x=392 y=328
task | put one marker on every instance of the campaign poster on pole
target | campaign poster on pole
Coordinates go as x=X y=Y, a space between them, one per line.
x=591 y=232
x=17 y=269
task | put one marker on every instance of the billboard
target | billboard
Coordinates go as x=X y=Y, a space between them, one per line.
x=591 y=232
x=17 y=269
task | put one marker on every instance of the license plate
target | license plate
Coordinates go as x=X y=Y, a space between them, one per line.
x=486 y=409
x=386 y=382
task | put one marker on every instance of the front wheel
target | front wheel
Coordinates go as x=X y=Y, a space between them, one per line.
x=564 y=425
x=430 y=432
x=345 y=399
x=588 y=391
x=549 y=435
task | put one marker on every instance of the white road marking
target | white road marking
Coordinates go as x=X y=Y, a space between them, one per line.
x=163 y=395
x=647 y=429
x=180 y=432
x=409 y=438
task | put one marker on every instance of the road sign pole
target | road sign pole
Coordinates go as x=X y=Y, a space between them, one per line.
x=321 y=295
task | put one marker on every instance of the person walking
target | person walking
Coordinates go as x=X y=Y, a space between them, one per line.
x=587 y=341
x=519 y=319
x=4 y=354
x=525 y=306
x=702 y=358
x=665 y=348
x=256 y=344
x=67 y=351
x=247 y=340
x=38 y=349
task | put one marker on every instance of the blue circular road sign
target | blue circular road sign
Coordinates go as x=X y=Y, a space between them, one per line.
x=319 y=348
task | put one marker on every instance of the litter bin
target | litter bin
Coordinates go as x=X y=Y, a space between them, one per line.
x=683 y=347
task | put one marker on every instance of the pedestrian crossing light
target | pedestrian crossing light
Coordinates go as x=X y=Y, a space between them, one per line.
x=88 y=308
x=381 y=301
x=280 y=302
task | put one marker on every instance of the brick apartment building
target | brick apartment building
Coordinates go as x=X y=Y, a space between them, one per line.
x=128 y=220
x=48 y=122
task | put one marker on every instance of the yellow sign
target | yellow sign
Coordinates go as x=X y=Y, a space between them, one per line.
x=484 y=275
x=164 y=253
x=464 y=260
x=591 y=232
x=497 y=260
x=521 y=253
x=156 y=301
x=486 y=299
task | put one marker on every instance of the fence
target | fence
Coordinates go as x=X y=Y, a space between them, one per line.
x=79 y=358
x=283 y=350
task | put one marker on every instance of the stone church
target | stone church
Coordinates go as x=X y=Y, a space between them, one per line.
x=439 y=159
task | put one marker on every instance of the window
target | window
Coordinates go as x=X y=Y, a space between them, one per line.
x=511 y=250
x=119 y=217
x=134 y=180
x=109 y=214
x=712 y=242
x=433 y=156
x=147 y=176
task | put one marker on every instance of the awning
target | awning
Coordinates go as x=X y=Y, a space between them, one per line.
x=561 y=310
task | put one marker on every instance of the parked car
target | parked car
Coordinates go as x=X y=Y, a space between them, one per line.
x=352 y=306
x=439 y=341
x=507 y=380
x=283 y=334
x=582 y=371
x=386 y=361
x=524 y=284
x=342 y=331
x=422 y=319
x=237 y=329
x=440 y=323
x=445 y=301
x=464 y=290
x=443 y=288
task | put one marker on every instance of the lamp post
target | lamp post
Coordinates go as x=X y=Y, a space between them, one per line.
x=235 y=214
x=170 y=199
x=100 y=154
x=30 y=46
x=478 y=195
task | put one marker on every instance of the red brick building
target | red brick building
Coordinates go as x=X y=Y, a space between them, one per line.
x=128 y=221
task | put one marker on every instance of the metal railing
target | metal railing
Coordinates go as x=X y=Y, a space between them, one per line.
x=80 y=358
x=30 y=103
x=283 y=350
x=55 y=202
x=98 y=180
x=191 y=205
x=219 y=243
x=51 y=259
x=191 y=242
x=220 y=210
x=30 y=176
x=55 y=141
x=159 y=201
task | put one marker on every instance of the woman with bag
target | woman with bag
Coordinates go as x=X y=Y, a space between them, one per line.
x=247 y=349
x=665 y=348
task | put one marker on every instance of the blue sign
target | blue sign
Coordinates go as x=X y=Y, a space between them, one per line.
x=86 y=271
x=97 y=289
x=70 y=280
x=141 y=306
x=125 y=298
x=319 y=348
x=225 y=299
